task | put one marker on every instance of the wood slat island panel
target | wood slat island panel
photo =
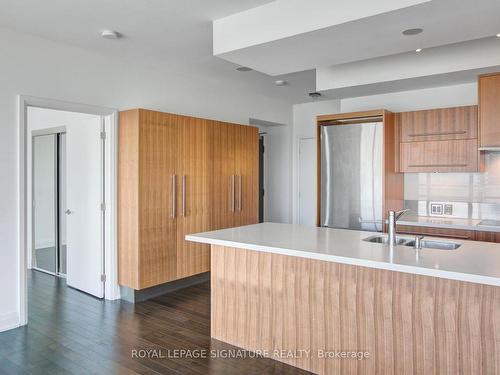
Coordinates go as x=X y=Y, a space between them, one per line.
x=410 y=324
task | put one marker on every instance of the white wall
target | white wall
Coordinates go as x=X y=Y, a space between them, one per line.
x=304 y=126
x=439 y=97
x=37 y=67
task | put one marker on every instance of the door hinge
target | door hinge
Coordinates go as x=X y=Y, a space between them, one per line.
x=103 y=278
x=103 y=206
x=103 y=135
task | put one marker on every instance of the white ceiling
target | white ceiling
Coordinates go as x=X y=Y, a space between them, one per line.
x=348 y=39
x=173 y=33
x=178 y=34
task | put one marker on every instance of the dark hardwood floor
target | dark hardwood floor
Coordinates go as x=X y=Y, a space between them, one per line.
x=70 y=332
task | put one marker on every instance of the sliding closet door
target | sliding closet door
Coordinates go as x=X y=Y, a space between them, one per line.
x=84 y=187
x=44 y=203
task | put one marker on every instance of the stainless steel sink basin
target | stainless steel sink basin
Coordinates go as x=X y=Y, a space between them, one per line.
x=426 y=244
x=438 y=245
x=385 y=240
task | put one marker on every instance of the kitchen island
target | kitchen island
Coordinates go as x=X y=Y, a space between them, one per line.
x=311 y=297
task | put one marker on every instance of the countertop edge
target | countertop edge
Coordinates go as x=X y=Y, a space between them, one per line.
x=478 y=279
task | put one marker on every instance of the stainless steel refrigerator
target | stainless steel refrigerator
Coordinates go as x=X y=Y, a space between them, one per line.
x=351 y=176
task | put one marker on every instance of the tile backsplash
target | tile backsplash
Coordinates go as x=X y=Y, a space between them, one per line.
x=470 y=195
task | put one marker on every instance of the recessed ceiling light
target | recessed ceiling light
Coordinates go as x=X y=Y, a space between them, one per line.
x=314 y=95
x=498 y=35
x=280 y=82
x=110 y=34
x=243 y=69
x=414 y=31
x=418 y=50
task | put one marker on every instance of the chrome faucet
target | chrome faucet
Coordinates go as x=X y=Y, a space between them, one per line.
x=418 y=242
x=391 y=221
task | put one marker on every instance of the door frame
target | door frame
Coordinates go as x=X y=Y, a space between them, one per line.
x=110 y=117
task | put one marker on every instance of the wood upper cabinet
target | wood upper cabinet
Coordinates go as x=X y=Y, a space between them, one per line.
x=438 y=140
x=489 y=110
x=440 y=156
x=179 y=175
x=438 y=124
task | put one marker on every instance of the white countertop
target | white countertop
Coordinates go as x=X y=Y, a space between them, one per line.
x=477 y=262
x=446 y=223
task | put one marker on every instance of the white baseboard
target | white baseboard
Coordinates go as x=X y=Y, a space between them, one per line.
x=9 y=321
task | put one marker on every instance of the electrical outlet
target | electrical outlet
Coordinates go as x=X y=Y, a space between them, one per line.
x=436 y=209
x=448 y=209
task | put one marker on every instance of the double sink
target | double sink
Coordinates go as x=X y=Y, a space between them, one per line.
x=410 y=242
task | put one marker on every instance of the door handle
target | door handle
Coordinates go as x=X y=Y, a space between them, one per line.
x=174 y=193
x=438 y=133
x=232 y=192
x=239 y=192
x=68 y=212
x=436 y=165
x=183 y=195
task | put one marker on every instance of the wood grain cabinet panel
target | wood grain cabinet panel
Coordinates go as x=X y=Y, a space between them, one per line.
x=440 y=156
x=175 y=177
x=436 y=232
x=223 y=188
x=148 y=148
x=247 y=199
x=487 y=236
x=438 y=124
x=409 y=324
x=193 y=198
x=489 y=110
x=450 y=233
x=235 y=175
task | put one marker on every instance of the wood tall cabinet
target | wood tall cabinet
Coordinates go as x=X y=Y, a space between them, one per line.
x=193 y=198
x=174 y=176
x=235 y=173
x=489 y=110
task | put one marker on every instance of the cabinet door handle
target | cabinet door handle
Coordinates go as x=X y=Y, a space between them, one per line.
x=184 y=195
x=435 y=165
x=174 y=193
x=239 y=192
x=232 y=192
x=438 y=133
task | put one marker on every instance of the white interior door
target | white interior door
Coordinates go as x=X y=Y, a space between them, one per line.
x=84 y=219
x=307 y=181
